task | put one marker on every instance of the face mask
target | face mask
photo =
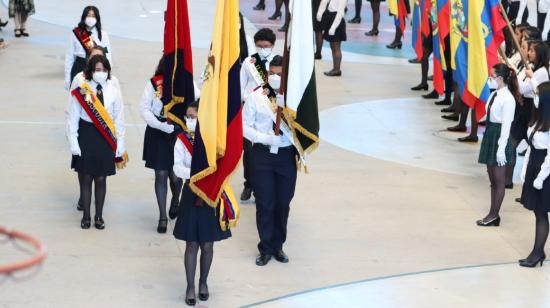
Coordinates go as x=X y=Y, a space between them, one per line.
x=100 y=77
x=191 y=123
x=492 y=83
x=536 y=101
x=264 y=52
x=274 y=81
x=90 y=22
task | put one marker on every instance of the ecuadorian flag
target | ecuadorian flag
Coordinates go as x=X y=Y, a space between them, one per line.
x=219 y=134
x=439 y=82
x=416 y=30
x=178 y=87
x=485 y=36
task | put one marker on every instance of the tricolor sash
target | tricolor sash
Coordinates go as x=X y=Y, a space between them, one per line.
x=258 y=71
x=228 y=207
x=97 y=112
x=85 y=39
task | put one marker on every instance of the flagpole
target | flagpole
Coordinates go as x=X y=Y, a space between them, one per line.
x=284 y=80
x=509 y=26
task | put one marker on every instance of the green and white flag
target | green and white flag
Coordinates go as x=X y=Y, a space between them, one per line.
x=299 y=84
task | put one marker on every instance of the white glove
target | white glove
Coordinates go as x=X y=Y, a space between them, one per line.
x=319 y=17
x=537 y=183
x=501 y=157
x=167 y=128
x=75 y=149
x=331 y=31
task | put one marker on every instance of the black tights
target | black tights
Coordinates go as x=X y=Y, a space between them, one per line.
x=358 y=5
x=336 y=55
x=375 y=5
x=207 y=255
x=425 y=65
x=100 y=183
x=497 y=177
x=510 y=168
x=541 y=234
x=398 y=35
x=161 y=189
x=318 y=42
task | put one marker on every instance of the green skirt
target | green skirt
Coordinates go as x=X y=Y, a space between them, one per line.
x=489 y=146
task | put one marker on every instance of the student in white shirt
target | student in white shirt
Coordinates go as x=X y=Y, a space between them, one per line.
x=331 y=15
x=496 y=147
x=83 y=38
x=94 y=153
x=158 y=147
x=536 y=168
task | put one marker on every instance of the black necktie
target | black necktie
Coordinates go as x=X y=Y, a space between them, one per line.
x=491 y=105
x=100 y=93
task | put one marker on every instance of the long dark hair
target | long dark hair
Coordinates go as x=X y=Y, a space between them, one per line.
x=242 y=39
x=82 y=23
x=160 y=67
x=542 y=55
x=510 y=79
x=90 y=67
x=541 y=119
x=509 y=39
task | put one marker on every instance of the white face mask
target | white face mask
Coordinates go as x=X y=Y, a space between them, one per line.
x=264 y=52
x=90 y=22
x=100 y=77
x=191 y=123
x=492 y=83
x=274 y=81
x=536 y=101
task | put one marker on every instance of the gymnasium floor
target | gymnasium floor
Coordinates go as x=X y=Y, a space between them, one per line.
x=385 y=218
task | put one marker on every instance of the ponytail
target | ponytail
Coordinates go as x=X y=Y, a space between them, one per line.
x=510 y=79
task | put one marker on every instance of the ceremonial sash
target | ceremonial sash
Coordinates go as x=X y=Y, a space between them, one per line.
x=265 y=101
x=97 y=112
x=85 y=39
x=157 y=82
x=259 y=74
x=228 y=207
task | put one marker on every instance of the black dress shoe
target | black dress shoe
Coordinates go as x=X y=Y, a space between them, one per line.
x=472 y=139
x=372 y=33
x=99 y=223
x=203 y=297
x=333 y=73
x=448 y=109
x=262 y=260
x=281 y=256
x=395 y=45
x=24 y=33
x=457 y=128
x=431 y=95
x=534 y=263
x=173 y=211
x=509 y=186
x=414 y=61
x=518 y=200
x=450 y=117
x=85 y=223
x=420 y=87
x=355 y=20
x=246 y=194
x=524 y=260
x=283 y=28
x=318 y=56
x=275 y=16
x=259 y=7
x=489 y=223
x=3 y=24
x=444 y=102
x=162 y=226
x=190 y=301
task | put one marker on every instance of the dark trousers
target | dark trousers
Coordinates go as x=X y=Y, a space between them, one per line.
x=247 y=146
x=273 y=182
x=449 y=73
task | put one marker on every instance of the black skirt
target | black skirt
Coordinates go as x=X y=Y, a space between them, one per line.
x=197 y=223
x=158 y=149
x=78 y=66
x=522 y=117
x=531 y=198
x=317 y=25
x=97 y=157
x=339 y=34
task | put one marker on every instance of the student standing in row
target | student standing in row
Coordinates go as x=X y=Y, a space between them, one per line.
x=331 y=15
x=20 y=10
x=96 y=130
x=87 y=35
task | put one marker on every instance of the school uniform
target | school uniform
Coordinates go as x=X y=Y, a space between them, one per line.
x=527 y=87
x=194 y=223
x=333 y=16
x=92 y=153
x=158 y=145
x=76 y=54
x=273 y=171
x=537 y=167
x=500 y=115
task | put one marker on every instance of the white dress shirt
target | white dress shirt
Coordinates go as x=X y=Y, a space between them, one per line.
x=248 y=82
x=182 y=161
x=150 y=109
x=258 y=121
x=112 y=100
x=528 y=85
x=75 y=49
x=502 y=111
x=540 y=141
